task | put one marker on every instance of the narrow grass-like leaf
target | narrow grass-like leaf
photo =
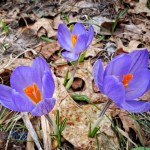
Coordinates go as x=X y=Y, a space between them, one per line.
x=53 y=135
x=141 y=148
x=57 y=118
x=66 y=78
x=97 y=142
x=118 y=18
x=148 y=4
x=65 y=16
x=71 y=27
x=78 y=97
x=45 y=38
x=93 y=132
x=62 y=126
x=100 y=38
x=81 y=58
x=4 y=26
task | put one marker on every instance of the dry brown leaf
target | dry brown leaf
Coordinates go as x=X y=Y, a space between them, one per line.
x=46 y=24
x=11 y=64
x=133 y=44
x=125 y=135
x=133 y=28
x=47 y=49
x=90 y=52
x=128 y=123
x=78 y=119
x=98 y=20
x=57 y=20
x=141 y=7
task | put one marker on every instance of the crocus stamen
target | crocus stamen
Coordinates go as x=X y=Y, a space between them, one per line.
x=126 y=79
x=74 y=38
x=33 y=93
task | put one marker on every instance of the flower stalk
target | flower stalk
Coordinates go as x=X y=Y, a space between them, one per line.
x=95 y=127
x=73 y=75
x=49 y=120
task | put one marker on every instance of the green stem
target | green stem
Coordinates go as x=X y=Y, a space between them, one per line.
x=94 y=127
x=73 y=74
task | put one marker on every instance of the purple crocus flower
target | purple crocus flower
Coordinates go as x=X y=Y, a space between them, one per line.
x=125 y=78
x=31 y=89
x=74 y=42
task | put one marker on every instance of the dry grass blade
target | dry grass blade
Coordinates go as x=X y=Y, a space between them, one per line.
x=30 y=144
x=29 y=126
x=6 y=147
x=126 y=135
x=46 y=134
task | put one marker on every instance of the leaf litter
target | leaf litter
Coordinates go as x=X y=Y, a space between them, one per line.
x=28 y=21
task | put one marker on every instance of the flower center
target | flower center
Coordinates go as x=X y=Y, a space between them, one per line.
x=126 y=79
x=74 y=38
x=33 y=93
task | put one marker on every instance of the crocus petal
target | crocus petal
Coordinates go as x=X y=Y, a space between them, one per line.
x=13 y=100
x=64 y=37
x=21 y=77
x=136 y=106
x=6 y=97
x=98 y=72
x=81 y=44
x=114 y=89
x=90 y=35
x=119 y=66
x=39 y=66
x=138 y=85
x=44 y=107
x=78 y=29
x=139 y=60
x=70 y=56
x=48 y=85
x=21 y=103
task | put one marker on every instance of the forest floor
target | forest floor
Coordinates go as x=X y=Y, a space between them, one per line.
x=29 y=29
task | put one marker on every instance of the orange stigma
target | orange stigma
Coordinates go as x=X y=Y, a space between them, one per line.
x=33 y=93
x=126 y=79
x=74 y=38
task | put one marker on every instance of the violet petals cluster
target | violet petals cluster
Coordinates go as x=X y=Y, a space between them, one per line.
x=31 y=89
x=125 y=79
x=74 y=42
